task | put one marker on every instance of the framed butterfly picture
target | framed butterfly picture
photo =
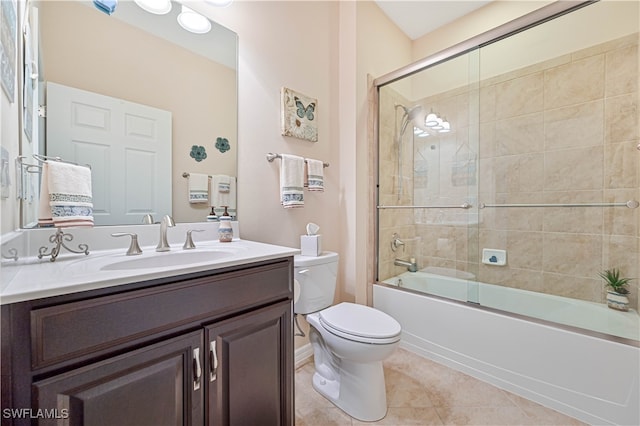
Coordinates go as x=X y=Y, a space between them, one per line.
x=299 y=118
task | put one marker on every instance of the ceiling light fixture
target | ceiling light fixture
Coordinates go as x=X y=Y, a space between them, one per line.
x=193 y=21
x=158 y=7
x=219 y=3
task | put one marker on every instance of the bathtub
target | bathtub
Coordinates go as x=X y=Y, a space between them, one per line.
x=584 y=374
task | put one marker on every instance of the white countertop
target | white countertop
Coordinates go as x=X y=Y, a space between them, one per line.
x=32 y=278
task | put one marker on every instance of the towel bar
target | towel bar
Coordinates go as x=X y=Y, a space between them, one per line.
x=271 y=156
x=186 y=175
x=42 y=158
x=632 y=204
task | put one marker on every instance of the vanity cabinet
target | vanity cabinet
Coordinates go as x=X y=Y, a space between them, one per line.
x=209 y=348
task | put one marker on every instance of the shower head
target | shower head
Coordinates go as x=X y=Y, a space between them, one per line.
x=412 y=112
x=409 y=115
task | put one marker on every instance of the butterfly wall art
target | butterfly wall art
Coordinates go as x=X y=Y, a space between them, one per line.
x=299 y=115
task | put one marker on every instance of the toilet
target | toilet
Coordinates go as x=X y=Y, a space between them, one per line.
x=349 y=341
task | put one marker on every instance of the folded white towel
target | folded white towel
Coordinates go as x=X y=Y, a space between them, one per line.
x=315 y=175
x=68 y=189
x=44 y=210
x=291 y=181
x=198 y=188
x=223 y=194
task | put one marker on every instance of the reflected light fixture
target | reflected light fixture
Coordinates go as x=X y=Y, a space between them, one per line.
x=158 y=7
x=431 y=119
x=438 y=124
x=193 y=21
x=446 y=127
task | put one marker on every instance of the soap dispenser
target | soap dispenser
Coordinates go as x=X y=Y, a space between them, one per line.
x=225 y=231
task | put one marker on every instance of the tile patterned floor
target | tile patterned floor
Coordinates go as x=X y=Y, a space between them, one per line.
x=422 y=392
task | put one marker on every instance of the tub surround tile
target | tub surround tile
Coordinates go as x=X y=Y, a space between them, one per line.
x=574 y=169
x=572 y=254
x=522 y=134
x=620 y=165
x=521 y=95
x=622 y=70
x=574 y=126
x=577 y=82
x=621 y=118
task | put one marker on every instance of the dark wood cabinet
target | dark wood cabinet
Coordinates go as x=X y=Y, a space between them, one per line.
x=247 y=359
x=201 y=349
x=154 y=386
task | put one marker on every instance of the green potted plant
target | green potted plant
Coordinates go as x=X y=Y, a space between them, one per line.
x=617 y=295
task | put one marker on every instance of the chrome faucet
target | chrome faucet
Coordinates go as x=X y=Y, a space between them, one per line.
x=163 y=244
x=411 y=265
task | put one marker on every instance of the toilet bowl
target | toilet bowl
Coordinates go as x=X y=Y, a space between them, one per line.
x=349 y=341
x=348 y=360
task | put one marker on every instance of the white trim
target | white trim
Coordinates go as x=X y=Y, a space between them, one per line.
x=303 y=354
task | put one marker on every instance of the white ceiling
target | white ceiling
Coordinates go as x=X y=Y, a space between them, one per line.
x=417 y=18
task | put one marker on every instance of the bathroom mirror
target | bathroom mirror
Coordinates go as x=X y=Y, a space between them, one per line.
x=133 y=56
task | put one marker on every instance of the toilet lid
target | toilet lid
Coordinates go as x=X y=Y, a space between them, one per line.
x=360 y=323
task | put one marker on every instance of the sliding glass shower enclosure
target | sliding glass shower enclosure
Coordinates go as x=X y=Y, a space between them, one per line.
x=515 y=161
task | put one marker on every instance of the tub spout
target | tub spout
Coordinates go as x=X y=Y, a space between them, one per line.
x=411 y=265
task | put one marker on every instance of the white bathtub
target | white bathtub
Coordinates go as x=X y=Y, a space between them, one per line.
x=563 y=310
x=586 y=376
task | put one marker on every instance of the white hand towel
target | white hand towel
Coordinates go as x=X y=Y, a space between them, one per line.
x=70 y=196
x=291 y=181
x=223 y=194
x=44 y=210
x=198 y=188
x=315 y=175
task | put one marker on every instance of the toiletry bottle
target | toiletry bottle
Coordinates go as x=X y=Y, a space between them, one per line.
x=212 y=216
x=225 y=231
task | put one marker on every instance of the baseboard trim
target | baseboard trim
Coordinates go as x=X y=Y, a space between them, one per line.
x=303 y=354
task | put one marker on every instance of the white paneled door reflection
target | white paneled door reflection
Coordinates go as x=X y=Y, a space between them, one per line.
x=128 y=146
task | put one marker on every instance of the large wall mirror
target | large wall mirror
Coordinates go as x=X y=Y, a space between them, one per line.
x=174 y=92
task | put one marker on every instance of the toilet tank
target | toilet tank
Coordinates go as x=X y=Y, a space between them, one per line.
x=314 y=282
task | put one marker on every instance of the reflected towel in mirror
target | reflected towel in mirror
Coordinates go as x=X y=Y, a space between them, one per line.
x=198 y=188
x=223 y=194
x=66 y=198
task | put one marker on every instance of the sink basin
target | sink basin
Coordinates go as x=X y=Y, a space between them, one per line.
x=169 y=259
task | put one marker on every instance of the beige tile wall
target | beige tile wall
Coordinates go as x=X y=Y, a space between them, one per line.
x=564 y=131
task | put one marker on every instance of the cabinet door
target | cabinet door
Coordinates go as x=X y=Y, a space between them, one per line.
x=250 y=369
x=157 y=385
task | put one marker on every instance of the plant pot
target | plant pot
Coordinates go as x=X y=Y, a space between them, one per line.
x=617 y=301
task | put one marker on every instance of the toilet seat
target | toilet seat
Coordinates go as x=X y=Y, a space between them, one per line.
x=360 y=323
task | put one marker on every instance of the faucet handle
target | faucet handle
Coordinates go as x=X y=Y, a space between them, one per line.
x=188 y=244
x=396 y=242
x=134 y=247
x=147 y=219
